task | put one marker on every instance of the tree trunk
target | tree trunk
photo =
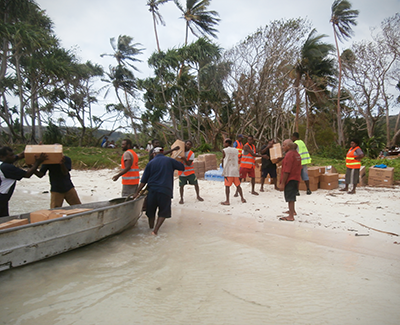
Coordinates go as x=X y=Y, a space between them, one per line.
x=339 y=110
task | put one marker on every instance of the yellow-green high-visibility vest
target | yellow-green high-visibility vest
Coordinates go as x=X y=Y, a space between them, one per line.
x=303 y=152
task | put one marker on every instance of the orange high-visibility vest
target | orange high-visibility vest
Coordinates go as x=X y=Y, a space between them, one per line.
x=239 y=148
x=132 y=176
x=189 y=170
x=248 y=161
x=351 y=161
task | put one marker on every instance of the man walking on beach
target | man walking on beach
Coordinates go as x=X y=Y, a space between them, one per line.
x=129 y=169
x=231 y=170
x=290 y=177
x=159 y=177
x=305 y=159
x=61 y=186
x=267 y=167
x=353 y=164
x=188 y=176
x=9 y=174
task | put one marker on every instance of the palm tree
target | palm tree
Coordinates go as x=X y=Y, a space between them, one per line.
x=157 y=18
x=198 y=18
x=313 y=63
x=342 y=18
x=124 y=51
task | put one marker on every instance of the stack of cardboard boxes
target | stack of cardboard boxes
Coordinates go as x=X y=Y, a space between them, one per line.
x=314 y=173
x=329 y=181
x=383 y=177
x=199 y=168
x=210 y=161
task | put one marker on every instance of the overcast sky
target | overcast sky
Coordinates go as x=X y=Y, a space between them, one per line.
x=88 y=25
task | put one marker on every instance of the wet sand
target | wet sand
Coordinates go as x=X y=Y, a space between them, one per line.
x=219 y=265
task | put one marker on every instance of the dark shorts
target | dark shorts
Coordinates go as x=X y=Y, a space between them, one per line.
x=291 y=190
x=352 y=176
x=191 y=179
x=158 y=200
x=270 y=171
x=243 y=172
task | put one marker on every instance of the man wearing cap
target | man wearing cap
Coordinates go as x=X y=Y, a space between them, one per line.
x=129 y=169
x=159 y=177
x=156 y=143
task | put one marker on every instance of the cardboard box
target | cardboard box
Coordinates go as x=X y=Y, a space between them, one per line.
x=13 y=223
x=54 y=153
x=315 y=171
x=329 y=178
x=363 y=181
x=329 y=185
x=363 y=171
x=43 y=215
x=382 y=182
x=178 y=153
x=303 y=187
x=275 y=153
x=387 y=173
x=330 y=169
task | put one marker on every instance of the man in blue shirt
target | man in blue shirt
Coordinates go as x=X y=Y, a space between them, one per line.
x=10 y=174
x=159 y=177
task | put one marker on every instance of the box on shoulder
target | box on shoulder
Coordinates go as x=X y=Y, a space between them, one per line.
x=275 y=153
x=180 y=152
x=54 y=153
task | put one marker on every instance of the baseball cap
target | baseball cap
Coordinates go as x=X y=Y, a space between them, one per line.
x=158 y=150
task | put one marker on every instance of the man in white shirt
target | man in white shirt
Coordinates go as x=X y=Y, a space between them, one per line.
x=231 y=170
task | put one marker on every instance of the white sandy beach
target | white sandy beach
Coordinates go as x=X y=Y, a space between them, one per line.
x=331 y=210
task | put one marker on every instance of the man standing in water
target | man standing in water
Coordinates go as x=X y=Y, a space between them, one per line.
x=290 y=177
x=159 y=177
x=129 y=169
x=188 y=176
x=353 y=164
x=231 y=170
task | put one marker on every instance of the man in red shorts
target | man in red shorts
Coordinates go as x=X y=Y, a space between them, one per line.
x=231 y=170
x=290 y=177
x=248 y=163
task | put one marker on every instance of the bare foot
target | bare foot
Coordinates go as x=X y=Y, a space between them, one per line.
x=287 y=212
x=286 y=219
x=243 y=201
x=181 y=201
x=261 y=190
x=277 y=188
x=343 y=189
x=225 y=203
x=236 y=195
x=254 y=193
x=351 y=192
x=154 y=233
x=200 y=198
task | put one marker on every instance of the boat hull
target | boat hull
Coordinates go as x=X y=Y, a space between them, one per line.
x=33 y=242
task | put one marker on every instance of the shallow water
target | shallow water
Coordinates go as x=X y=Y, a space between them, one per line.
x=207 y=269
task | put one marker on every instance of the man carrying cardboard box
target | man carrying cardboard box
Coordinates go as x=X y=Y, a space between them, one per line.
x=61 y=187
x=9 y=174
x=305 y=159
x=267 y=166
x=156 y=143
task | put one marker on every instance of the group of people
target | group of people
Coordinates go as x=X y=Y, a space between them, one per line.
x=238 y=163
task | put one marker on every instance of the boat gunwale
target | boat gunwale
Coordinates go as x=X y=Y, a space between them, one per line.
x=66 y=217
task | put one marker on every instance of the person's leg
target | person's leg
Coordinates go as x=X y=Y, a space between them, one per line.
x=242 y=176
x=72 y=197
x=196 y=187
x=253 y=184
x=164 y=210
x=227 y=191
x=274 y=181
x=305 y=178
x=182 y=183
x=355 y=176
x=151 y=208
x=56 y=200
x=160 y=221
x=181 y=194
x=4 y=208
x=263 y=176
x=239 y=189
x=290 y=197
x=347 y=180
